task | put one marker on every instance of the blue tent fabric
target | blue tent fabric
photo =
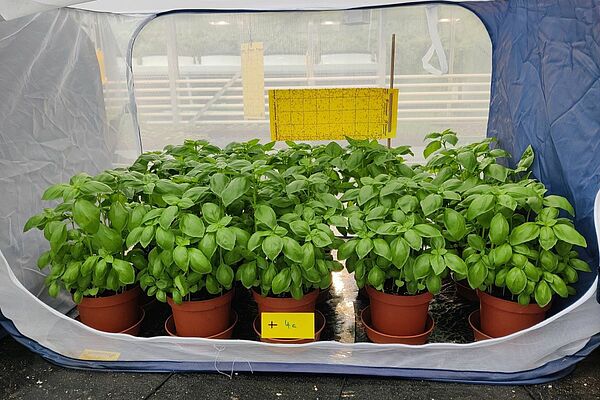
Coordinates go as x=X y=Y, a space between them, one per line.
x=549 y=372
x=546 y=92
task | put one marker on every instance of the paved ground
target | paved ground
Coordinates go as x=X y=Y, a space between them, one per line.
x=24 y=375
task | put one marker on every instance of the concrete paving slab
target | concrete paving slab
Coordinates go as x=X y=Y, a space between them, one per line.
x=582 y=384
x=389 y=388
x=25 y=375
x=250 y=387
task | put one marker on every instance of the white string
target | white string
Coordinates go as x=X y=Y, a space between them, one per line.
x=431 y=11
x=221 y=349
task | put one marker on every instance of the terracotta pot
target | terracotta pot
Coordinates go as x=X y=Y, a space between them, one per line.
x=202 y=318
x=379 y=337
x=226 y=334
x=275 y=304
x=399 y=315
x=502 y=317
x=133 y=330
x=319 y=326
x=475 y=325
x=464 y=290
x=111 y=313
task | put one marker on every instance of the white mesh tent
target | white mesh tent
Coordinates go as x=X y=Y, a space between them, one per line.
x=58 y=118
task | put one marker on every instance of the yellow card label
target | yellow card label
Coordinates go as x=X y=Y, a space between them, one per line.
x=99 y=355
x=288 y=325
x=333 y=114
x=253 y=80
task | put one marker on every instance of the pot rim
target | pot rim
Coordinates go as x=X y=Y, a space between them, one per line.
x=365 y=315
x=475 y=324
x=110 y=301
x=202 y=305
x=286 y=301
x=170 y=326
x=318 y=314
x=136 y=325
x=398 y=300
x=511 y=306
x=124 y=331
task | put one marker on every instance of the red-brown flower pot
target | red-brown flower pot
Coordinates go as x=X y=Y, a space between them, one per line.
x=226 y=334
x=399 y=315
x=382 y=338
x=475 y=324
x=114 y=314
x=501 y=317
x=202 y=318
x=275 y=304
x=465 y=291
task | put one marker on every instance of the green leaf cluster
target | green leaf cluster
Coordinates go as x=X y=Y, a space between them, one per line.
x=190 y=220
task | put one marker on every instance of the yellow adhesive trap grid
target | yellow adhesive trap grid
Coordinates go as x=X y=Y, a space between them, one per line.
x=333 y=114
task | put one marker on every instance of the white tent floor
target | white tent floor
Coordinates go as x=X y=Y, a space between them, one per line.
x=496 y=355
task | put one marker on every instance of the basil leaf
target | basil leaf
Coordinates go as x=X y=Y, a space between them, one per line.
x=225 y=238
x=266 y=215
x=480 y=205
x=568 y=234
x=272 y=246
x=124 y=270
x=455 y=223
x=524 y=233
x=86 y=215
x=192 y=225
x=234 y=190
x=559 y=202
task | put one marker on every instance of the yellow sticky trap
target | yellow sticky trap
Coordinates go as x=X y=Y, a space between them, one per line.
x=333 y=114
x=288 y=325
x=99 y=355
x=102 y=66
x=253 y=80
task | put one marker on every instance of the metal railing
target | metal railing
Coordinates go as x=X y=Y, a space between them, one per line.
x=451 y=97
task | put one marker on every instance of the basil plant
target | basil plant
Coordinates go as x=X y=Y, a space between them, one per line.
x=398 y=245
x=196 y=241
x=517 y=245
x=291 y=253
x=520 y=246
x=291 y=239
x=86 y=232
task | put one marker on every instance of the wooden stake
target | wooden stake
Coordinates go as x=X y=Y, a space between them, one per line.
x=392 y=62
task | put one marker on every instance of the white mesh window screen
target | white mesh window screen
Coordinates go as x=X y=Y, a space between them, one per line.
x=61 y=118
x=187 y=68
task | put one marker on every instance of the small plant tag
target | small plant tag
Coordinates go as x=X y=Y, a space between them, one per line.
x=288 y=325
x=99 y=355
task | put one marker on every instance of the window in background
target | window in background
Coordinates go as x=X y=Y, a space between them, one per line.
x=188 y=84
